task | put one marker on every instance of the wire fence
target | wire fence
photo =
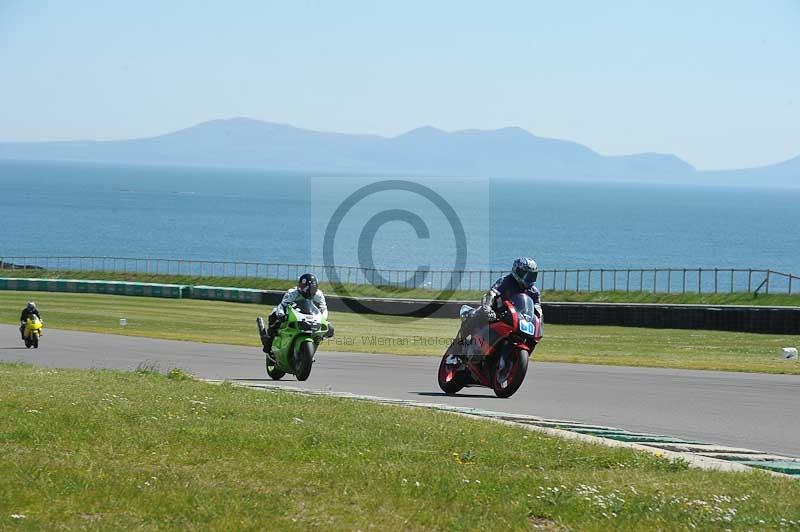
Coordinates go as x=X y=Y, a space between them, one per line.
x=654 y=280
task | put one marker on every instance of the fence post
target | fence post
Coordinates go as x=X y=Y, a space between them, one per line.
x=655 y=279
x=731 y=281
x=768 y=277
x=577 y=280
x=628 y=282
x=699 y=280
x=790 y=283
x=589 y=284
x=601 y=279
x=715 y=280
x=683 y=290
x=669 y=280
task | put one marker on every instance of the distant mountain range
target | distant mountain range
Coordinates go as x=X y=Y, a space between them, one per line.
x=426 y=151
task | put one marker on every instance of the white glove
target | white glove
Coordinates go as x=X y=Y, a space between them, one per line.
x=489 y=297
x=279 y=312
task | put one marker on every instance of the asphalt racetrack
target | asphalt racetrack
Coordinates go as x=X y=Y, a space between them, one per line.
x=738 y=409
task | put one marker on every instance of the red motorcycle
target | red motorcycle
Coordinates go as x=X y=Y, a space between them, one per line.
x=496 y=354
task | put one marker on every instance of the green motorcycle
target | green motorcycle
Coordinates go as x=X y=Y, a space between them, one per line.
x=293 y=349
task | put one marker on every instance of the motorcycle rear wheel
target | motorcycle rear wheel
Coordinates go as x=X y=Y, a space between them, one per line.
x=505 y=383
x=303 y=360
x=274 y=373
x=451 y=380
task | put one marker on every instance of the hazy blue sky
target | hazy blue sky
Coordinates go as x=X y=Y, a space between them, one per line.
x=715 y=82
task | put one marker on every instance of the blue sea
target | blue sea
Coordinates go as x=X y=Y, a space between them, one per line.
x=69 y=209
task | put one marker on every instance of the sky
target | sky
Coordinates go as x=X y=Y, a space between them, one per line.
x=715 y=82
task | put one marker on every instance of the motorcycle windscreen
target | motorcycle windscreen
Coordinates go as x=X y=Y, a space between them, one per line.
x=524 y=305
x=306 y=306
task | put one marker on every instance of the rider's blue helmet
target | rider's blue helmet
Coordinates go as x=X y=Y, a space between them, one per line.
x=525 y=271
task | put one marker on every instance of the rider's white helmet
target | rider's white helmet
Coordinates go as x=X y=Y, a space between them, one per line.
x=525 y=271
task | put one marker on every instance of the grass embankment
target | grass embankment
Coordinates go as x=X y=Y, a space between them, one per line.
x=108 y=450
x=420 y=293
x=233 y=323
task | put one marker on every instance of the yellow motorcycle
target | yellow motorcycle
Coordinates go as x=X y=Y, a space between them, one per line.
x=32 y=332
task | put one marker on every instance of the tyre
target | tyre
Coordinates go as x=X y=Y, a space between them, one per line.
x=27 y=342
x=451 y=379
x=274 y=373
x=507 y=381
x=304 y=357
x=35 y=341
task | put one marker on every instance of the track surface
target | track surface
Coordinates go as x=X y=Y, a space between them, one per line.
x=738 y=409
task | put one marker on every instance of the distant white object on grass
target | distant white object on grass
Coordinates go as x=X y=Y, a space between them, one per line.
x=789 y=353
x=123 y=322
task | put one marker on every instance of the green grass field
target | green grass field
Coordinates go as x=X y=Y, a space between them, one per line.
x=234 y=323
x=419 y=293
x=105 y=450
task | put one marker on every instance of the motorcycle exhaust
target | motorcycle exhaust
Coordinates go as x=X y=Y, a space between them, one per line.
x=262 y=330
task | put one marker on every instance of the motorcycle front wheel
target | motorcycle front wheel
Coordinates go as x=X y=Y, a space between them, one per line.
x=303 y=360
x=506 y=381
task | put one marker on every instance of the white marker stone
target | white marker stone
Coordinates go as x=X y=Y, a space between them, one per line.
x=123 y=322
x=789 y=353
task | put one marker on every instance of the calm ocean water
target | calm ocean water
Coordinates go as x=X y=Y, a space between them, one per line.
x=61 y=209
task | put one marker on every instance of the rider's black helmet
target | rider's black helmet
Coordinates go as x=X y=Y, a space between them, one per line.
x=307 y=285
x=525 y=271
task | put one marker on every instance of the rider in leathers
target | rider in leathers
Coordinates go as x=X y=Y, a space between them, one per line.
x=523 y=275
x=307 y=288
x=29 y=310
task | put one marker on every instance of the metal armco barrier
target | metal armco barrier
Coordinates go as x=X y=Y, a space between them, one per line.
x=121 y=288
x=773 y=320
x=215 y=293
